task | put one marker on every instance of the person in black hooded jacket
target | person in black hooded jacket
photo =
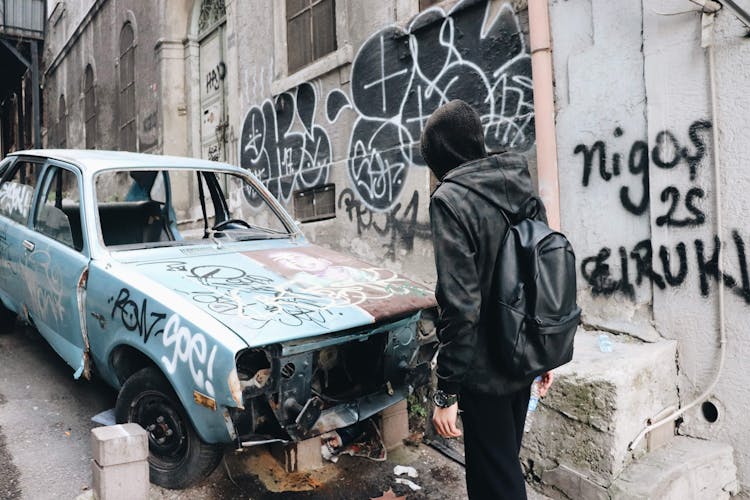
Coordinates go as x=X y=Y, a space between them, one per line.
x=467 y=229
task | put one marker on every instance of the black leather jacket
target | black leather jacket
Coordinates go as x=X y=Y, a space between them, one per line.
x=467 y=229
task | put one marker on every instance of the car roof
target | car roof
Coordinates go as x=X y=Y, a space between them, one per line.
x=93 y=160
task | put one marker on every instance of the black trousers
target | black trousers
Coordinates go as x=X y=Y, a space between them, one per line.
x=493 y=430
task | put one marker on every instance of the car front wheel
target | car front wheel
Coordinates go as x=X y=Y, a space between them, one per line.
x=7 y=319
x=178 y=458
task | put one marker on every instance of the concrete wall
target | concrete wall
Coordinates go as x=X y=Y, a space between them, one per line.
x=354 y=118
x=639 y=194
x=88 y=32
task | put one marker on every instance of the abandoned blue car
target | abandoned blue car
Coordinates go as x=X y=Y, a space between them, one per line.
x=185 y=286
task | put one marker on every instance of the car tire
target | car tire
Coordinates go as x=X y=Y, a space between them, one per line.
x=7 y=319
x=178 y=458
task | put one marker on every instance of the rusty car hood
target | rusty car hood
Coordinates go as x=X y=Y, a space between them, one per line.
x=287 y=292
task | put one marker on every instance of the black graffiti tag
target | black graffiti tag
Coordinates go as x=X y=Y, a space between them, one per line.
x=260 y=300
x=136 y=318
x=400 y=77
x=215 y=76
x=597 y=273
x=400 y=227
x=667 y=153
x=282 y=158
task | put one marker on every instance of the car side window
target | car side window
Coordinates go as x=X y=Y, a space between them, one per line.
x=5 y=164
x=17 y=191
x=59 y=214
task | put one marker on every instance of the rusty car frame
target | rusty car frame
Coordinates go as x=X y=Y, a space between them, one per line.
x=188 y=288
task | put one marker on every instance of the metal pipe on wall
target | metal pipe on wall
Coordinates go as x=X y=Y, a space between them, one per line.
x=544 y=110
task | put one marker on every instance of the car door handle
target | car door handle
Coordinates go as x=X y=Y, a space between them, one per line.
x=29 y=245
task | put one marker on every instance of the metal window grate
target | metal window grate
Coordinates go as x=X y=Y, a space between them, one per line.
x=310 y=31
x=315 y=204
x=212 y=11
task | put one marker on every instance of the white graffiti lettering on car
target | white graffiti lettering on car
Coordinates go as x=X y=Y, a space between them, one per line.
x=15 y=198
x=45 y=285
x=191 y=348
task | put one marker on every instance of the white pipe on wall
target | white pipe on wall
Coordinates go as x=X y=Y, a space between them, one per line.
x=710 y=8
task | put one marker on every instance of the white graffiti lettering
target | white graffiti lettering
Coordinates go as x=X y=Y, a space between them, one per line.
x=190 y=348
x=45 y=285
x=15 y=198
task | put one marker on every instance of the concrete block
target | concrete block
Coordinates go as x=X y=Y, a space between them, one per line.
x=685 y=469
x=573 y=484
x=394 y=426
x=119 y=444
x=128 y=481
x=299 y=457
x=598 y=405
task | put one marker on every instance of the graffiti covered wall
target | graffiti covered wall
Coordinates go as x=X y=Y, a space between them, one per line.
x=359 y=127
x=640 y=198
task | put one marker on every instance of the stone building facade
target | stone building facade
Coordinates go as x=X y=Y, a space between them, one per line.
x=335 y=139
x=324 y=101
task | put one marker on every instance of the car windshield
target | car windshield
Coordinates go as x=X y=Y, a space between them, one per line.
x=148 y=208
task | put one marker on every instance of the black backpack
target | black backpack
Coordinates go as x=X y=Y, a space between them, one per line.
x=533 y=297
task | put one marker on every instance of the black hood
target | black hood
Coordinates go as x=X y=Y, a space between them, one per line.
x=452 y=136
x=502 y=179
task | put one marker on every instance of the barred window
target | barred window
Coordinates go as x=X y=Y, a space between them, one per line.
x=310 y=31
x=127 y=89
x=62 y=124
x=89 y=107
x=315 y=204
x=212 y=12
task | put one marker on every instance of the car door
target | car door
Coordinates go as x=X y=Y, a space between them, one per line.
x=57 y=260
x=16 y=196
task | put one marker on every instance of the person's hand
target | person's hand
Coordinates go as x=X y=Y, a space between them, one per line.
x=445 y=419
x=545 y=383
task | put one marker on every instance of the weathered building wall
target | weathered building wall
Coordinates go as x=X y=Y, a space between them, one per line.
x=88 y=32
x=354 y=118
x=639 y=194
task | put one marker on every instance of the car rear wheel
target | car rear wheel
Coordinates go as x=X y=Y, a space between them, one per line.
x=178 y=458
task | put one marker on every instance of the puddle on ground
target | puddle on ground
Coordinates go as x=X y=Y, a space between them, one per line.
x=260 y=463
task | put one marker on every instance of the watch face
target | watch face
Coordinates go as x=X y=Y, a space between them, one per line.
x=442 y=399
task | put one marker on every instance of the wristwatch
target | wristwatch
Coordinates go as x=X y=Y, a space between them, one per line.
x=443 y=399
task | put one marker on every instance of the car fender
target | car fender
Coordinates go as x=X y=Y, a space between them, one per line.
x=195 y=352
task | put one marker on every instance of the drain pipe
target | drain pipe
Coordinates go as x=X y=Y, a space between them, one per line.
x=710 y=8
x=544 y=110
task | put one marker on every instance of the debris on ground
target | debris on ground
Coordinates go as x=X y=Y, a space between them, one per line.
x=107 y=417
x=408 y=482
x=402 y=469
x=362 y=439
x=414 y=439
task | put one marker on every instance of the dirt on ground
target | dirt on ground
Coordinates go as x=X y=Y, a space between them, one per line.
x=9 y=483
x=256 y=475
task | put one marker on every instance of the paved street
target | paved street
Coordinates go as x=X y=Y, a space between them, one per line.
x=45 y=420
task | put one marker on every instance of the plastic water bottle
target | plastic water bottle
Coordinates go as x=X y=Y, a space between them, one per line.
x=605 y=343
x=533 y=403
